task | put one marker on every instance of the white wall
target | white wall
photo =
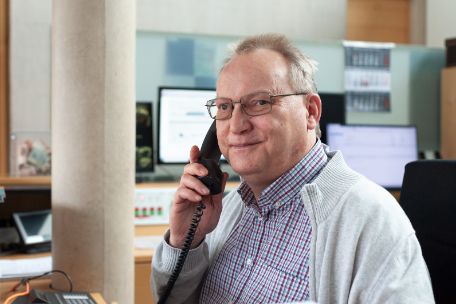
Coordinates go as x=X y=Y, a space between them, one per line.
x=418 y=21
x=30 y=37
x=30 y=65
x=441 y=21
x=303 y=19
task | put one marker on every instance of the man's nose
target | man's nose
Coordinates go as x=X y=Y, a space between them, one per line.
x=239 y=119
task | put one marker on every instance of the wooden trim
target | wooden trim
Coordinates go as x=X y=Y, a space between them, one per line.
x=4 y=86
x=25 y=181
x=447 y=113
x=379 y=20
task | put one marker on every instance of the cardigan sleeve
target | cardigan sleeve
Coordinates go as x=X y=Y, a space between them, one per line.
x=403 y=277
x=188 y=285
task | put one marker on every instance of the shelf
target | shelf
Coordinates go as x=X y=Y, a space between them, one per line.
x=25 y=181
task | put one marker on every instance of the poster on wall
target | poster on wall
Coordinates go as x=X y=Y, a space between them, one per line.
x=367 y=76
x=30 y=154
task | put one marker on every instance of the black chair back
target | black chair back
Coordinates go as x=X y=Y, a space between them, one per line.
x=428 y=197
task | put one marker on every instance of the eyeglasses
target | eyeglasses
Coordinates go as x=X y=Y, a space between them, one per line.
x=254 y=104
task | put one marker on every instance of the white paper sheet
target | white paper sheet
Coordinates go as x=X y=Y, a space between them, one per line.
x=24 y=267
x=147 y=242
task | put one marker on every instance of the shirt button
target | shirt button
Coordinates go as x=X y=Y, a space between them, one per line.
x=277 y=205
x=249 y=262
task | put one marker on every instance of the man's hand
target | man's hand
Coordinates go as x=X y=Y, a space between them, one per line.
x=189 y=193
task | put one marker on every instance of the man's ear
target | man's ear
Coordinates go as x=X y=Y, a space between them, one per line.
x=313 y=111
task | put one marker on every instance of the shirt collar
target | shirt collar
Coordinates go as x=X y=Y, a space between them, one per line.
x=287 y=186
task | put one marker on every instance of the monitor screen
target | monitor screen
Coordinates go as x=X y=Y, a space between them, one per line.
x=183 y=121
x=378 y=152
x=144 y=138
x=34 y=227
x=333 y=111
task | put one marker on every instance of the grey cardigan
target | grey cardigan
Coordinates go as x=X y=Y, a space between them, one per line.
x=363 y=249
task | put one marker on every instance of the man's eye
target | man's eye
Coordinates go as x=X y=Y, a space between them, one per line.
x=260 y=102
x=223 y=106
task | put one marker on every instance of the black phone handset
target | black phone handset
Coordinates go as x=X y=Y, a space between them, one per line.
x=209 y=157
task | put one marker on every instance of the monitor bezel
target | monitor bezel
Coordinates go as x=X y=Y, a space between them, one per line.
x=324 y=96
x=159 y=118
x=389 y=188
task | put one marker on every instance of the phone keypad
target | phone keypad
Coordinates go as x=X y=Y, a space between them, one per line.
x=76 y=298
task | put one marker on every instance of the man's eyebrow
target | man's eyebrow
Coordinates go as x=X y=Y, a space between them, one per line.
x=271 y=92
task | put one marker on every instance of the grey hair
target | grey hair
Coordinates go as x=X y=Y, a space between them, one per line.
x=302 y=67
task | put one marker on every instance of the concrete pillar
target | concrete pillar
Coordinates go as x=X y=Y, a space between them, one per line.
x=93 y=142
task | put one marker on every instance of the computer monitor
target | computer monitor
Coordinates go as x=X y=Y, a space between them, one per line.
x=144 y=139
x=183 y=121
x=333 y=105
x=379 y=152
x=34 y=227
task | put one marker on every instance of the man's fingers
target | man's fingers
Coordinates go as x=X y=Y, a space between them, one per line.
x=193 y=183
x=195 y=169
x=185 y=194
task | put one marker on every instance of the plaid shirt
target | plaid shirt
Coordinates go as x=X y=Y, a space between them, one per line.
x=266 y=257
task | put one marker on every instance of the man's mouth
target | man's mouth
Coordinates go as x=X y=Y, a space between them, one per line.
x=243 y=145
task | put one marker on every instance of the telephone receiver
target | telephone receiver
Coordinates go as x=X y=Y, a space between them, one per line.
x=209 y=157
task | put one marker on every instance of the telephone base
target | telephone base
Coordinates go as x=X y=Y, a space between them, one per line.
x=49 y=297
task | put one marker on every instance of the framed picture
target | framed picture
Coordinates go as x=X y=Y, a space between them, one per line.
x=30 y=153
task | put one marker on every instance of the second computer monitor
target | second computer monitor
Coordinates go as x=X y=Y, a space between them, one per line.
x=378 y=152
x=333 y=111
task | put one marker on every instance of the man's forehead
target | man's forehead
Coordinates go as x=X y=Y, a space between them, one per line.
x=266 y=57
x=261 y=69
x=257 y=62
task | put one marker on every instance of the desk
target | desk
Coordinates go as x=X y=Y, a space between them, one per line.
x=43 y=284
x=143 y=259
x=7 y=284
x=143 y=294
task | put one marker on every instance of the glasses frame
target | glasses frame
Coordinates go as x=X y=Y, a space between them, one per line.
x=211 y=103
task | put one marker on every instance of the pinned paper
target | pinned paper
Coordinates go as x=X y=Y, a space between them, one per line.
x=2 y=195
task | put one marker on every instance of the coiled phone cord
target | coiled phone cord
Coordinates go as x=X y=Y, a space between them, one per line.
x=184 y=252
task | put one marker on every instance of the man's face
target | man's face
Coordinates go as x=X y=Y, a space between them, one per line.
x=261 y=148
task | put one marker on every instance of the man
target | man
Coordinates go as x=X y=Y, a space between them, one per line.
x=302 y=225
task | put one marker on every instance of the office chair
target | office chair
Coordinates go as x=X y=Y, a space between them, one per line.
x=428 y=197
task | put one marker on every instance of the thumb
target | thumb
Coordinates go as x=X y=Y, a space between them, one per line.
x=194 y=154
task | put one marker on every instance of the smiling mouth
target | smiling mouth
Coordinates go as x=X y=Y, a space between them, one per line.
x=243 y=146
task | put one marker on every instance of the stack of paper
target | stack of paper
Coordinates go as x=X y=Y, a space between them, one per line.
x=25 y=267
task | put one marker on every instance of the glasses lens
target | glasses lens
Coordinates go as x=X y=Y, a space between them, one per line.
x=219 y=108
x=257 y=103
